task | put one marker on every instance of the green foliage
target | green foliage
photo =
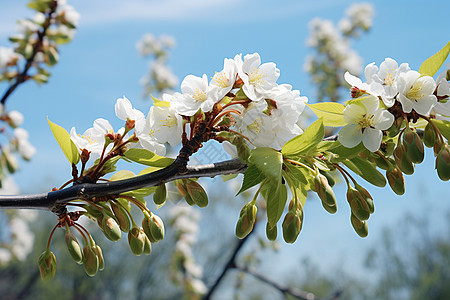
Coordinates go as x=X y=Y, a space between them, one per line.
x=148 y=158
x=432 y=64
x=275 y=194
x=366 y=169
x=331 y=112
x=65 y=142
x=306 y=142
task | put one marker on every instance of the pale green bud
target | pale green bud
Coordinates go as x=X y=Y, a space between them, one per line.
x=361 y=227
x=121 y=217
x=160 y=195
x=271 y=232
x=110 y=228
x=414 y=146
x=246 y=221
x=292 y=224
x=396 y=181
x=101 y=262
x=47 y=265
x=90 y=261
x=197 y=193
x=74 y=247
x=358 y=205
x=147 y=246
x=136 y=240
x=429 y=136
x=402 y=160
x=443 y=163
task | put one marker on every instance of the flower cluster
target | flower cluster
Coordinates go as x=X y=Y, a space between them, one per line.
x=334 y=53
x=160 y=77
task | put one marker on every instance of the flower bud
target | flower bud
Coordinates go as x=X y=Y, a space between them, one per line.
x=429 y=136
x=437 y=147
x=358 y=205
x=90 y=261
x=147 y=246
x=396 y=181
x=156 y=229
x=413 y=146
x=361 y=227
x=121 y=216
x=329 y=177
x=329 y=208
x=324 y=190
x=160 y=195
x=101 y=262
x=443 y=163
x=197 y=193
x=382 y=162
x=247 y=218
x=110 y=228
x=136 y=240
x=292 y=224
x=47 y=265
x=74 y=247
x=402 y=160
x=180 y=184
x=389 y=148
x=271 y=232
x=366 y=197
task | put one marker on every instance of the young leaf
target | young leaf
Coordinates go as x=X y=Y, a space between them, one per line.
x=331 y=112
x=148 y=158
x=308 y=140
x=366 y=170
x=160 y=103
x=252 y=177
x=268 y=161
x=444 y=128
x=343 y=152
x=275 y=194
x=431 y=65
x=65 y=142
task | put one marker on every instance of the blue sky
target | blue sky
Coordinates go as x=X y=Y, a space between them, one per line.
x=102 y=64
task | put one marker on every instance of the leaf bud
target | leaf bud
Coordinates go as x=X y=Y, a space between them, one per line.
x=136 y=240
x=98 y=251
x=324 y=190
x=271 y=231
x=247 y=218
x=396 y=180
x=360 y=227
x=47 y=265
x=292 y=224
x=197 y=193
x=160 y=195
x=110 y=228
x=74 y=247
x=358 y=205
x=121 y=216
x=413 y=146
x=429 y=136
x=443 y=163
x=90 y=261
x=402 y=160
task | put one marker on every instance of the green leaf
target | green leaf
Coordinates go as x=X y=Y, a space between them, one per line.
x=331 y=112
x=275 y=194
x=252 y=177
x=296 y=173
x=160 y=103
x=147 y=157
x=342 y=153
x=305 y=142
x=65 y=142
x=268 y=161
x=366 y=170
x=444 y=128
x=139 y=193
x=431 y=65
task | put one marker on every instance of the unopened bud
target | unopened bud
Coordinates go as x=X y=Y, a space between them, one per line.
x=358 y=205
x=332 y=209
x=402 y=160
x=361 y=227
x=395 y=128
x=121 y=216
x=382 y=162
x=437 y=147
x=396 y=181
x=366 y=197
x=197 y=193
x=271 y=231
x=429 y=136
x=324 y=190
x=136 y=240
x=329 y=177
x=443 y=163
x=247 y=218
x=180 y=184
x=160 y=195
x=90 y=261
x=413 y=146
x=292 y=224
x=147 y=246
x=110 y=228
x=101 y=262
x=356 y=92
x=47 y=265
x=74 y=247
x=156 y=229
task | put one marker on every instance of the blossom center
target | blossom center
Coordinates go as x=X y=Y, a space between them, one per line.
x=366 y=122
x=221 y=80
x=256 y=76
x=256 y=125
x=389 y=79
x=415 y=92
x=199 y=96
x=169 y=122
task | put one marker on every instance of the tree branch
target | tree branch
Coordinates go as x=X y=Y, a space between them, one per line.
x=54 y=200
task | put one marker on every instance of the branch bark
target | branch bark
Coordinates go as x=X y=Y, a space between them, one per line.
x=53 y=201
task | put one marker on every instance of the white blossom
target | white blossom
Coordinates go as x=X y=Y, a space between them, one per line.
x=195 y=95
x=443 y=92
x=223 y=81
x=165 y=125
x=365 y=123
x=15 y=117
x=24 y=147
